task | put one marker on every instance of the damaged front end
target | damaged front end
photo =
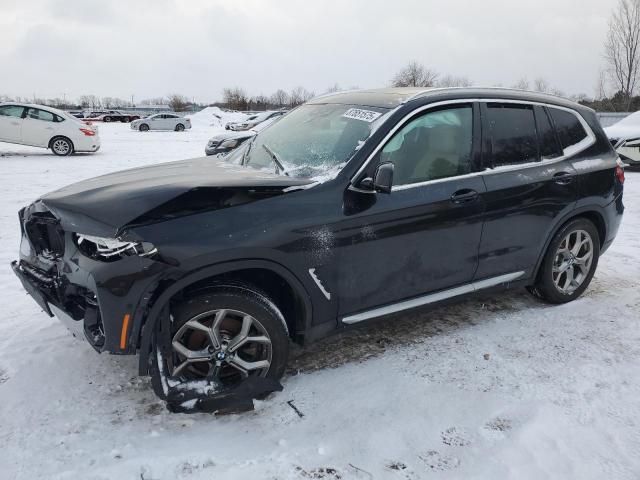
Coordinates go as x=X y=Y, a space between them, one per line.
x=95 y=286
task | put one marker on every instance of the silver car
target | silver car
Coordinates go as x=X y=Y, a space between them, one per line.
x=161 y=121
x=253 y=120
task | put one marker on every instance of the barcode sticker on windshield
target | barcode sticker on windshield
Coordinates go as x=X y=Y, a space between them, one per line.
x=359 y=114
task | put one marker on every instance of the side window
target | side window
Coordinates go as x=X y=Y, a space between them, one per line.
x=432 y=146
x=568 y=126
x=38 y=114
x=11 y=111
x=549 y=146
x=512 y=130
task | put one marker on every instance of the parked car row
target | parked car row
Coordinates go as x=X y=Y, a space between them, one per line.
x=253 y=120
x=224 y=143
x=63 y=133
x=105 y=115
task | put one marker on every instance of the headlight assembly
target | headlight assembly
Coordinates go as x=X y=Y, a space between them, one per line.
x=110 y=249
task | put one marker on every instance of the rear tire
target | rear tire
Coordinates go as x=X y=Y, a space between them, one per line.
x=179 y=127
x=107 y=119
x=569 y=263
x=225 y=310
x=144 y=127
x=61 y=146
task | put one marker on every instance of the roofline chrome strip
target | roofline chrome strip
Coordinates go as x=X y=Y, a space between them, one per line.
x=400 y=124
x=432 y=298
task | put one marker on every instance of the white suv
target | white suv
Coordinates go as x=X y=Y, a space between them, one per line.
x=40 y=126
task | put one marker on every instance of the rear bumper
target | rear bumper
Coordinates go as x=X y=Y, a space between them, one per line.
x=613 y=218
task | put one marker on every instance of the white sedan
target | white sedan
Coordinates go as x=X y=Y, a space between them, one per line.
x=625 y=138
x=161 y=121
x=41 y=126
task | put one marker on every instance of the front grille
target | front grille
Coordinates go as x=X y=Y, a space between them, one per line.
x=45 y=233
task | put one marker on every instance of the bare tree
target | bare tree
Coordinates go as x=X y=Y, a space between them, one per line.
x=601 y=86
x=299 y=95
x=280 y=98
x=453 y=81
x=522 y=84
x=235 y=98
x=89 y=101
x=621 y=47
x=415 y=74
x=154 y=101
x=541 y=85
x=333 y=88
x=177 y=102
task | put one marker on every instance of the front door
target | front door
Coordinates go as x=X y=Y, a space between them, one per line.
x=38 y=127
x=11 y=123
x=531 y=184
x=424 y=235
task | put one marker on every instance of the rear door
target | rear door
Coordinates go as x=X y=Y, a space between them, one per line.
x=38 y=127
x=530 y=185
x=11 y=123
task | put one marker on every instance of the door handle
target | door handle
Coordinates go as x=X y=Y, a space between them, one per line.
x=15 y=123
x=563 y=178
x=464 y=196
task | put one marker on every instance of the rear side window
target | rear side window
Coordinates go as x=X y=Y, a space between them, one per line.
x=512 y=131
x=11 y=111
x=570 y=130
x=549 y=146
x=38 y=114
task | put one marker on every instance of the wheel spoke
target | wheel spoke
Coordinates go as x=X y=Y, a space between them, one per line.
x=191 y=355
x=246 y=367
x=241 y=337
x=214 y=331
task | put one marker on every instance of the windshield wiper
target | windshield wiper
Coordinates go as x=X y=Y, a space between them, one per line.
x=273 y=155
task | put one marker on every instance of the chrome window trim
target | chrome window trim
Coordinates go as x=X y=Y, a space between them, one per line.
x=432 y=297
x=590 y=140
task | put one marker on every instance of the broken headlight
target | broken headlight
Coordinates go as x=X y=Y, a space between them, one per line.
x=110 y=249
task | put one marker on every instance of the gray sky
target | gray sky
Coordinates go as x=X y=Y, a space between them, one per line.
x=150 y=48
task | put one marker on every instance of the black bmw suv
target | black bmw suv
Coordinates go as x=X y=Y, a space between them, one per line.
x=354 y=206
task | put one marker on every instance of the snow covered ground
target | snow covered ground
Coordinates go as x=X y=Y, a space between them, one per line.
x=495 y=387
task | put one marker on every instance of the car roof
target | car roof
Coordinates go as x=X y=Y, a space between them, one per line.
x=394 y=96
x=34 y=105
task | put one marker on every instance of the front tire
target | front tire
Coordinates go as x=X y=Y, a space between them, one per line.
x=215 y=341
x=144 y=127
x=569 y=263
x=61 y=146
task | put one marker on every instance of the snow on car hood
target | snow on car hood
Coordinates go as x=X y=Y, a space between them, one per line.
x=104 y=205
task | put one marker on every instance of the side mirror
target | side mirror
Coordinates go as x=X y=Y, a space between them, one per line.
x=630 y=150
x=383 y=179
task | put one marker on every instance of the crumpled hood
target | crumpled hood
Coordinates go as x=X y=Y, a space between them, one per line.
x=103 y=205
